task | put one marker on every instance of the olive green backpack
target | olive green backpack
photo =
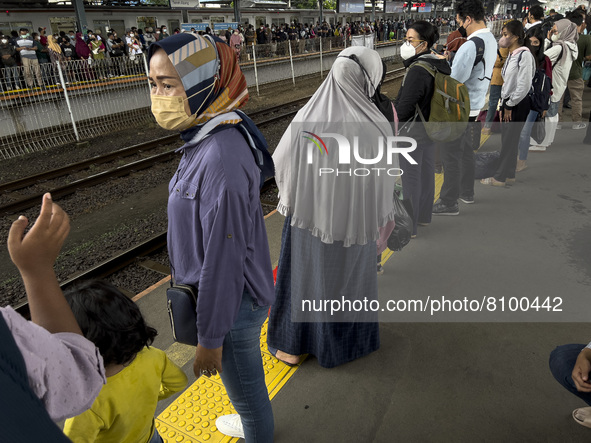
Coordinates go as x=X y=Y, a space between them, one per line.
x=450 y=106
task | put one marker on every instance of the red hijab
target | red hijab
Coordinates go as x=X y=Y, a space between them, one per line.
x=82 y=48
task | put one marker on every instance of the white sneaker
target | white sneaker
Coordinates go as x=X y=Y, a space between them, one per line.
x=537 y=148
x=579 y=125
x=230 y=425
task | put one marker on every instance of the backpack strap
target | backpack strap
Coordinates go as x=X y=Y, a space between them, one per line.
x=479 y=44
x=423 y=64
x=559 y=56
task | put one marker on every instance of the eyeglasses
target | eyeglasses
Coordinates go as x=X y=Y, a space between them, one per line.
x=411 y=40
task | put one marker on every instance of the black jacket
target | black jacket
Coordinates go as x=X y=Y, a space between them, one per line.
x=418 y=87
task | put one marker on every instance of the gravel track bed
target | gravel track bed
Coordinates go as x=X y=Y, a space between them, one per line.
x=82 y=256
x=82 y=174
x=135 y=278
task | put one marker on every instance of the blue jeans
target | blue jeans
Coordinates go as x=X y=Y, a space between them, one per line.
x=156 y=438
x=553 y=109
x=493 y=101
x=562 y=362
x=525 y=134
x=243 y=375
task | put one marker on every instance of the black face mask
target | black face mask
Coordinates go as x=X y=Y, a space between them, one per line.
x=382 y=102
x=462 y=31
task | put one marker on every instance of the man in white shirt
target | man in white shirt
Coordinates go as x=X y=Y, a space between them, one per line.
x=535 y=17
x=472 y=65
x=28 y=52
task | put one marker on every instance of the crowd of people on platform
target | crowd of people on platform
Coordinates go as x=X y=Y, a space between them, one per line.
x=29 y=58
x=27 y=55
x=217 y=239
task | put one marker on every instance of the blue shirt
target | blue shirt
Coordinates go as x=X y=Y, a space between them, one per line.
x=464 y=71
x=217 y=240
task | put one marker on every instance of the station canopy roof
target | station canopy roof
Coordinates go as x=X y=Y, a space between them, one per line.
x=249 y=3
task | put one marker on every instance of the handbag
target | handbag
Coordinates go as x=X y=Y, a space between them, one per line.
x=182 y=313
x=404 y=223
x=538 y=130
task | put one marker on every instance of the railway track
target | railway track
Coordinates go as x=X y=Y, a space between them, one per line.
x=138 y=253
x=261 y=118
x=133 y=255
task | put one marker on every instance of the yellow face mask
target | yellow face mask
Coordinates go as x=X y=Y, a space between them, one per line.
x=170 y=113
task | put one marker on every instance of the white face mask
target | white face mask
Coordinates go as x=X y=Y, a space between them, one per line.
x=555 y=37
x=131 y=35
x=4 y=41
x=407 y=51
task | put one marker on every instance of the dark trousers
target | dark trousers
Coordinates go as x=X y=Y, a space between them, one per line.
x=510 y=140
x=562 y=363
x=418 y=181
x=458 y=164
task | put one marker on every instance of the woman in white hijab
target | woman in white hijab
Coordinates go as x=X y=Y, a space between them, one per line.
x=336 y=178
x=562 y=50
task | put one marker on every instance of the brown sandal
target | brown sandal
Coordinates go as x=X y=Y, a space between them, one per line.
x=583 y=416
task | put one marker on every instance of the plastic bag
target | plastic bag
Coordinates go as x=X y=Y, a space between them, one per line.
x=538 y=130
x=486 y=164
x=400 y=236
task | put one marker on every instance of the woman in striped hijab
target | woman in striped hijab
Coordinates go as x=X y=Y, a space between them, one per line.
x=217 y=241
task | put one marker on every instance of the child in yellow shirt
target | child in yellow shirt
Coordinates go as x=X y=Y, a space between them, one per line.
x=137 y=375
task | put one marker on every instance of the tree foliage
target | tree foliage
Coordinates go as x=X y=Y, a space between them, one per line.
x=313 y=4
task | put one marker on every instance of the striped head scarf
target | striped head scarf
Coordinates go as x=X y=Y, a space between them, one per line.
x=209 y=71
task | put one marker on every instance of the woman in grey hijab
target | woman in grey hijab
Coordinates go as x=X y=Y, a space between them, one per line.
x=336 y=184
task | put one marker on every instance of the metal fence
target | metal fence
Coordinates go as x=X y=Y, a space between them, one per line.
x=49 y=104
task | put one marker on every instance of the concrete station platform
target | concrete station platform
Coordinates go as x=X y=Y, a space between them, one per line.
x=441 y=381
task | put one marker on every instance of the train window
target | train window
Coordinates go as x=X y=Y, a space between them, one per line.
x=144 y=22
x=15 y=26
x=65 y=24
x=118 y=26
x=172 y=25
x=260 y=21
x=218 y=19
x=5 y=28
x=103 y=25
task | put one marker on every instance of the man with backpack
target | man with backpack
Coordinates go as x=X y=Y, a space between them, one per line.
x=472 y=65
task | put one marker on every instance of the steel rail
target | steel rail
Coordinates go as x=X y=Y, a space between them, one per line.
x=122 y=259
x=60 y=172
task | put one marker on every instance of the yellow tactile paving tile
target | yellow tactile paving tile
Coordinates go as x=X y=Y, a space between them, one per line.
x=191 y=417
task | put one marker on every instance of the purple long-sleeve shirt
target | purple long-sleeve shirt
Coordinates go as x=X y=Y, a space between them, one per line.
x=217 y=239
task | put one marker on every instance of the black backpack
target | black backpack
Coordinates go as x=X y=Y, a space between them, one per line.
x=541 y=89
x=479 y=43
